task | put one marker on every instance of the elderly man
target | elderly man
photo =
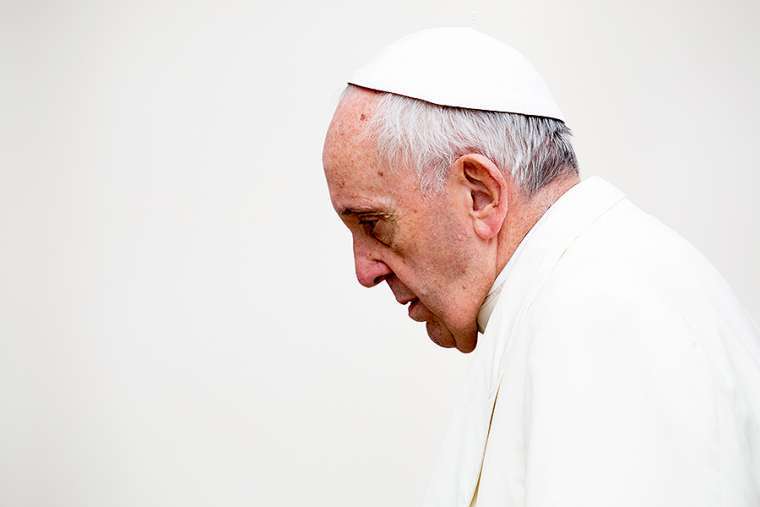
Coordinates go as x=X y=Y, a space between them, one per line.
x=612 y=364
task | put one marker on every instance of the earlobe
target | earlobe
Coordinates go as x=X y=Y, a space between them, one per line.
x=483 y=230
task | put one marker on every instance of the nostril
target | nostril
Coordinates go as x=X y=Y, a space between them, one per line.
x=366 y=280
x=371 y=272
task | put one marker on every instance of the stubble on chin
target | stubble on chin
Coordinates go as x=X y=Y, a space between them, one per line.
x=440 y=334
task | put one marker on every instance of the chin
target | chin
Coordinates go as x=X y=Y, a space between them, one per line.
x=443 y=337
x=467 y=346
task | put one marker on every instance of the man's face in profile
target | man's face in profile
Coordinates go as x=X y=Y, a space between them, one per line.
x=415 y=243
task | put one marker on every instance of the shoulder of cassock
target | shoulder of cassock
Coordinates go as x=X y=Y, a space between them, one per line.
x=619 y=370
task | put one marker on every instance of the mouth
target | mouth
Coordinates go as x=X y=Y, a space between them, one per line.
x=405 y=300
x=414 y=305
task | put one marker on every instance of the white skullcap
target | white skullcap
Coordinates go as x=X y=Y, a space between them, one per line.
x=459 y=67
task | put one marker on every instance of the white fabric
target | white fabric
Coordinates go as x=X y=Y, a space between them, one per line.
x=616 y=369
x=460 y=67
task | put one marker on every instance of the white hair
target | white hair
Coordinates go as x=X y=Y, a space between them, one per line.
x=429 y=138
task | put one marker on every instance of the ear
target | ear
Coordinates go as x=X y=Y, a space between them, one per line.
x=483 y=190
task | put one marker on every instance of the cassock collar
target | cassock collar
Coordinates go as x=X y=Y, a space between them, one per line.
x=489 y=303
x=582 y=196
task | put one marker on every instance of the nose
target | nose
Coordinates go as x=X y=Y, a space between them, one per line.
x=369 y=270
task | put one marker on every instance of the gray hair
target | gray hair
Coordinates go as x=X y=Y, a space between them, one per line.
x=429 y=138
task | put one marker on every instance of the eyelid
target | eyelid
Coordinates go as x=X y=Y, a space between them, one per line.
x=369 y=219
x=368 y=224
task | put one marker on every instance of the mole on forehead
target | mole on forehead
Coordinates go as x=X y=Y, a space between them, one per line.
x=352 y=129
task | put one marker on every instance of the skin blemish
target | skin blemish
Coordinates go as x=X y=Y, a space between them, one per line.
x=363 y=117
x=380 y=173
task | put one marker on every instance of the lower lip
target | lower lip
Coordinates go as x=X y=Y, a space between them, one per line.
x=412 y=306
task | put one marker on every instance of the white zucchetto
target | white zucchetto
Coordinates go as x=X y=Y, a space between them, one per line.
x=459 y=67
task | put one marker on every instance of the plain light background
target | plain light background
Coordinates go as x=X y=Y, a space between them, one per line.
x=179 y=318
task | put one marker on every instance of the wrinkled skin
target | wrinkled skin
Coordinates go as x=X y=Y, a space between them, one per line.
x=440 y=253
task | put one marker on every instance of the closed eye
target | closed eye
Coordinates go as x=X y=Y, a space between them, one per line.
x=377 y=229
x=368 y=225
x=377 y=224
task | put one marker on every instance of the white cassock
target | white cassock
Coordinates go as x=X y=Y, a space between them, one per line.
x=616 y=368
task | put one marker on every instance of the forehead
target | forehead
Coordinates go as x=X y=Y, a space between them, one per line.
x=355 y=174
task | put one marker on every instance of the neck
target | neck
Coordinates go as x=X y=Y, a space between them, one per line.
x=523 y=214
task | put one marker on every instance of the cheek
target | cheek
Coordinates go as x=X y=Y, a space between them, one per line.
x=437 y=254
x=437 y=237
x=451 y=244
x=446 y=265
